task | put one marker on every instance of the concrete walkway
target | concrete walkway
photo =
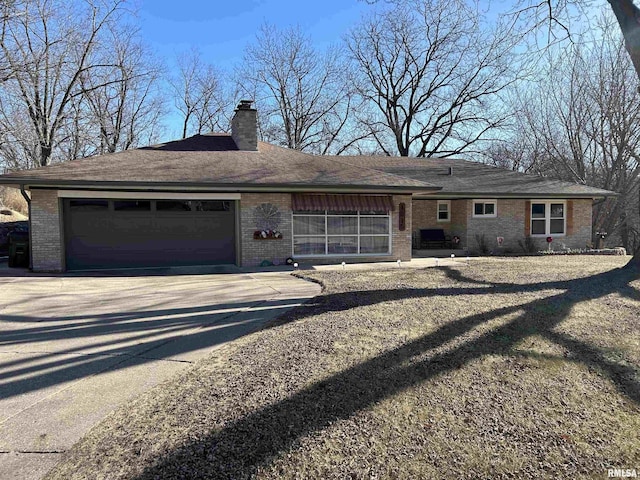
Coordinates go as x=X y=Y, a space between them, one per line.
x=75 y=347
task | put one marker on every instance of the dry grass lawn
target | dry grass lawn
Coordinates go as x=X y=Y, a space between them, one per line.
x=507 y=368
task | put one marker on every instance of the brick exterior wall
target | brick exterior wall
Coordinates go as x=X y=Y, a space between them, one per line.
x=277 y=251
x=46 y=238
x=253 y=252
x=48 y=252
x=244 y=128
x=425 y=216
x=401 y=246
x=509 y=223
x=582 y=233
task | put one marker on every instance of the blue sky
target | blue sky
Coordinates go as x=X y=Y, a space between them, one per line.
x=221 y=29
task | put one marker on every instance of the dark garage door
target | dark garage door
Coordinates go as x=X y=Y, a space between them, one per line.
x=116 y=233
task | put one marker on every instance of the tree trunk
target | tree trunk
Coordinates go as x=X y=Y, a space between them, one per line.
x=628 y=16
x=45 y=154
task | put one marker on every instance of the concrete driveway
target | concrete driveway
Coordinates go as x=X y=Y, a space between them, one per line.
x=73 y=348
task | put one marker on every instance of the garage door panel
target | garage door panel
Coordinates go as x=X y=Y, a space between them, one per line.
x=120 y=239
x=216 y=226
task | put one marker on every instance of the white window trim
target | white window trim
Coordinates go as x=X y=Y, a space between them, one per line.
x=448 y=204
x=389 y=216
x=547 y=218
x=484 y=201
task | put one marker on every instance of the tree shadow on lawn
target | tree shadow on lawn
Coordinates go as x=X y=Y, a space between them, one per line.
x=238 y=449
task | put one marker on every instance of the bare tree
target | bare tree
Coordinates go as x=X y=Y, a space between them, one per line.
x=8 y=10
x=582 y=123
x=200 y=95
x=123 y=102
x=303 y=95
x=49 y=47
x=432 y=73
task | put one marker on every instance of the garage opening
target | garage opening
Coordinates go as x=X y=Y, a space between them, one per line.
x=134 y=233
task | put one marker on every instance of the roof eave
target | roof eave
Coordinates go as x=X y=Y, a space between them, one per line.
x=472 y=195
x=35 y=183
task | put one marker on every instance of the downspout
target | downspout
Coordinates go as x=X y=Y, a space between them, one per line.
x=28 y=200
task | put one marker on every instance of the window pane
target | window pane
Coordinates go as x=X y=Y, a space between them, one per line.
x=211 y=205
x=538 y=227
x=378 y=225
x=308 y=245
x=132 y=205
x=343 y=244
x=373 y=212
x=537 y=210
x=173 y=205
x=308 y=225
x=489 y=209
x=342 y=225
x=374 y=244
x=477 y=208
x=557 y=225
x=443 y=215
x=443 y=207
x=557 y=210
x=88 y=205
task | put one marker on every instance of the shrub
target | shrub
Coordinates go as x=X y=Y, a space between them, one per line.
x=528 y=245
x=483 y=246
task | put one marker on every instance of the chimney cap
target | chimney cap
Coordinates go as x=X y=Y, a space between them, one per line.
x=244 y=105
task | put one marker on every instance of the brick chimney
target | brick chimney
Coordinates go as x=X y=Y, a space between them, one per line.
x=244 y=126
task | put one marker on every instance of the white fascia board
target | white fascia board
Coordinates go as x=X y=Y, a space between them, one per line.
x=147 y=195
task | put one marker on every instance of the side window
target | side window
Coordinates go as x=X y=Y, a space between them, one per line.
x=485 y=208
x=88 y=204
x=548 y=218
x=444 y=211
x=556 y=218
x=131 y=205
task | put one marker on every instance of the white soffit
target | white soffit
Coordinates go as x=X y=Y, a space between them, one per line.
x=147 y=195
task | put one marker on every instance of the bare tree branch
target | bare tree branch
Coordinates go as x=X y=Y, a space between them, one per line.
x=303 y=95
x=432 y=74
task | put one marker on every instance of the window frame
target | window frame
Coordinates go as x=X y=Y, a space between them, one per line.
x=326 y=215
x=448 y=204
x=547 y=218
x=484 y=201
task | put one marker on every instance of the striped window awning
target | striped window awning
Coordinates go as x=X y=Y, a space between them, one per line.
x=341 y=203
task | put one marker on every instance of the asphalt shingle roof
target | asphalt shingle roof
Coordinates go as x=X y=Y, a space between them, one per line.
x=214 y=160
x=473 y=178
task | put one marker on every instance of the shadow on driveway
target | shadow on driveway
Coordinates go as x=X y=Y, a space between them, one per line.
x=59 y=329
